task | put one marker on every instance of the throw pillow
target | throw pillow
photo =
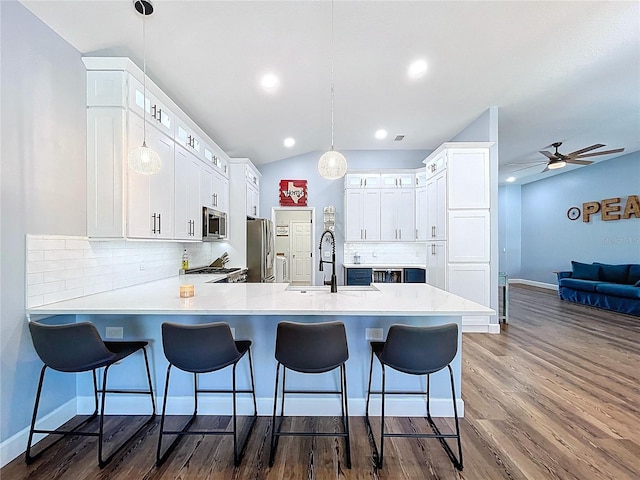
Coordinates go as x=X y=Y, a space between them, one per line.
x=634 y=274
x=613 y=273
x=585 y=271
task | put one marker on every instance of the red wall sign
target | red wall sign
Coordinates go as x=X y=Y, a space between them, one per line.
x=293 y=193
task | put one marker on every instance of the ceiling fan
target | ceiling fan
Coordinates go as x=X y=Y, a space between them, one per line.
x=559 y=160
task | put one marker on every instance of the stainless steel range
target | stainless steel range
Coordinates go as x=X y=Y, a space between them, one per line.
x=235 y=275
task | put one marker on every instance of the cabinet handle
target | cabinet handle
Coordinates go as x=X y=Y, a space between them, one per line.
x=159 y=224
x=153 y=112
x=365 y=233
x=153 y=230
x=399 y=234
x=433 y=231
x=159 y=115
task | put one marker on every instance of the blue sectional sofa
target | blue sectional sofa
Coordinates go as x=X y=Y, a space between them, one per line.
x=612 y=287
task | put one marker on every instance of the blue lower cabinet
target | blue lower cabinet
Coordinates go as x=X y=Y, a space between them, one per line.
x=358 y=276
x=414 y=275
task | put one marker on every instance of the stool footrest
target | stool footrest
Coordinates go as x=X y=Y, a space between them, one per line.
x=397 y=392
x=315 y=392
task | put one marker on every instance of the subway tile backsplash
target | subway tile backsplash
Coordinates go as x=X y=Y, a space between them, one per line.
x=397 y=253
x=64 y=267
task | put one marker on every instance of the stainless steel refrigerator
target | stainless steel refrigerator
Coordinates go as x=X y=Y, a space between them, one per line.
x=260 y=251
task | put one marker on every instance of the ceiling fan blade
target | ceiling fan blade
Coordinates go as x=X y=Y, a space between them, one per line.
x=606 y=152
x=546 y=169
x=583 y=150
x=523 y=166
x=578 y=162
x=549 y=155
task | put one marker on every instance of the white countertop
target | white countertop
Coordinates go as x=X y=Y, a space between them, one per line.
x=384 y=266
x=163 y=297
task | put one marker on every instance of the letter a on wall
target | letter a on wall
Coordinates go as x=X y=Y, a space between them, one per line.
x=293 y=193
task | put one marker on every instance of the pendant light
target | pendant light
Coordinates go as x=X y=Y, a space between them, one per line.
x=142 y=159
x=332 y=164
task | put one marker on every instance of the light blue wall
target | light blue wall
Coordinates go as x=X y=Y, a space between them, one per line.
x=43 y=189
x=550 y=240
x=509 y=230
x=323 y=192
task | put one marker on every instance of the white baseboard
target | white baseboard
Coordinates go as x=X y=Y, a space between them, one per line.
x=294 y=406
x=533 y=283
x=16 y=445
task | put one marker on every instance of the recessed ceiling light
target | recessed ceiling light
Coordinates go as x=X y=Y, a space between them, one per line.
x=417 y=69
x=511 y=179
x=381 y=133
x=289 y=142
x=269 y=82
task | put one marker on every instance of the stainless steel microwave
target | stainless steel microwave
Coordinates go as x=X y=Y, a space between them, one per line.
x=214 y=224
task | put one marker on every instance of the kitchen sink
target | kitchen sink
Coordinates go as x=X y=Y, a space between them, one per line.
x=327 y=288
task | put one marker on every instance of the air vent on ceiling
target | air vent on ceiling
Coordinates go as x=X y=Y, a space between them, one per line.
x=398 y=138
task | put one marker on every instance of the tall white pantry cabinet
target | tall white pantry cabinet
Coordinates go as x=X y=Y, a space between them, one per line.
x=459 y=233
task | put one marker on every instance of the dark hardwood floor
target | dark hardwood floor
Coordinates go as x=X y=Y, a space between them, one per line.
x=555 y=396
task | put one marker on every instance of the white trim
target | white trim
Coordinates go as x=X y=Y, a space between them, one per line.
x=533 y=283
x=16 y=445
x=294 y=406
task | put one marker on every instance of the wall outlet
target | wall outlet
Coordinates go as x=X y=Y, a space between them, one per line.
x=374 y=254
x=114 y=332
x=327 y=254
x=374 y=334
x=141 y=265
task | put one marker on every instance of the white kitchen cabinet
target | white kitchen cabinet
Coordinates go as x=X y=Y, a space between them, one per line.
x=106 y=173
x=468 y=171
x=362 y=215
x=105 y=89
x=362 y=180
x=157 y=114
x=150 y=204
x=186 y=137
x=253 y=202
x=435 y=164
x=214 y=189
x=469 y=238
x=436 y=191
x=458 y=190
x=252 y=177
x=187 y=207
x=397 y=214
x=397 y=180
x=121 y=203
x=437 y=264
x=421 y=214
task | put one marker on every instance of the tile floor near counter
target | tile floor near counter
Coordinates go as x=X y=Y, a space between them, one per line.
x=536 y=408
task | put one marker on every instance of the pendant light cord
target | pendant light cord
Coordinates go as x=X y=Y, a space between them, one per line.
x=332 y=74
x=144 y=77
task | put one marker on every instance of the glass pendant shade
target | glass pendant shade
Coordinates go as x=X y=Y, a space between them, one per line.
x=332 y=165
x=144 y=160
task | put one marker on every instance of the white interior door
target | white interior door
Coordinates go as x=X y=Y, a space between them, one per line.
x=300 y=248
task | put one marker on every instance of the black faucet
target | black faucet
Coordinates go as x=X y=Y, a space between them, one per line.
x=334 y=282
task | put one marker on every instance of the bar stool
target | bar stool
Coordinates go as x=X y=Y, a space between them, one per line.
x=200 y=349
x=416 y=351
x=75 y=348
x=311 y=348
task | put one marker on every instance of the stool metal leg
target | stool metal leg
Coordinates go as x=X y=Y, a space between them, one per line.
x=274 y=428
x=345 y=413
x=160 y=459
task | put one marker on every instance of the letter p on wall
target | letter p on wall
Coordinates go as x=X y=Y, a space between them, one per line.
x=588 y=209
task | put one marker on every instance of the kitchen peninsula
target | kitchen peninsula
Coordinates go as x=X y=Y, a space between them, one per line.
x=253 y=311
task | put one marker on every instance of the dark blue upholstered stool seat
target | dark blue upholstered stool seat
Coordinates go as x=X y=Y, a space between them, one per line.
x=311 y=348
x=200 y=349
x=75 y=348
x=416 y=351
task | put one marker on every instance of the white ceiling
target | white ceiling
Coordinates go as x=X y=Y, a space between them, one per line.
x=558 y=71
